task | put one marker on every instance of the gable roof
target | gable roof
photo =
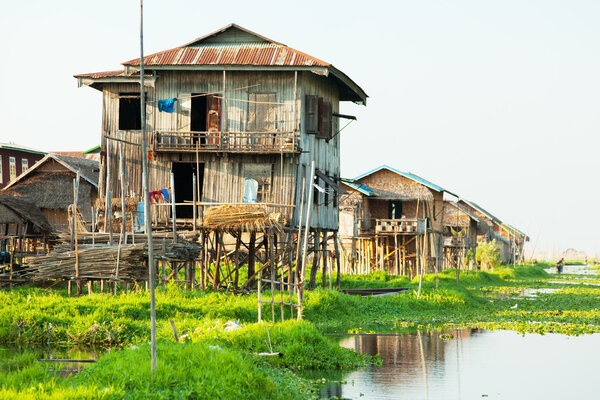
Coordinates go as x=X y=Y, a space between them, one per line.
x=238 y=47
x=89 y=170
x=15 y=207
x=12 y=146
x=481 y=210
x=408 y=175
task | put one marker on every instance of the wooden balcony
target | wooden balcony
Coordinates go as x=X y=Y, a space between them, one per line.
x=229 y=142
x=399 y=226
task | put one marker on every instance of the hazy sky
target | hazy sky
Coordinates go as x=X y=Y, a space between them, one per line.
x=498 y=101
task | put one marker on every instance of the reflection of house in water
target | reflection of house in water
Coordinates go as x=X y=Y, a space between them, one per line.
x=406 y=359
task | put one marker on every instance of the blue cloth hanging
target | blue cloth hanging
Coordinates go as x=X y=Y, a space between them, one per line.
x=166 y=105
x=165 y=193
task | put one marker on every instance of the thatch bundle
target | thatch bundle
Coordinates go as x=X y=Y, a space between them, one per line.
x=94 y=262
x=246 y=217
x=131 y=204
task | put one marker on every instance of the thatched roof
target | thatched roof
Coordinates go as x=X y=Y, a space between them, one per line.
x=16 y=210
x=51 y=190
x=404 y=192
x=89 y=170
x=458 y=216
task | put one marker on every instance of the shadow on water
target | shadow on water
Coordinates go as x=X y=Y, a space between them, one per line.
x=469 y=364
x=11 y=355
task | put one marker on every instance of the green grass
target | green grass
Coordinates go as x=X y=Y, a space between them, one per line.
x=229 y=369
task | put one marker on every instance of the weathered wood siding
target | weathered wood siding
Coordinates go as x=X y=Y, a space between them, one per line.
x=224 y=174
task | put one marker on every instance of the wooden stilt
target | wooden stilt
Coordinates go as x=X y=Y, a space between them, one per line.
x=337 y=260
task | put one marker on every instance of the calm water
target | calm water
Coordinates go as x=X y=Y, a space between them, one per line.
x=475 y=364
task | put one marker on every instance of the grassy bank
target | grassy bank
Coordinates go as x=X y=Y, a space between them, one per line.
x=216 y=363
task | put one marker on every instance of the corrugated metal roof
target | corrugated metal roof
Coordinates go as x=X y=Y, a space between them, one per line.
x=497 y=236
x=262 y=54
x=357 y=186
x=408 y=175
x=481 y=210
x=98 y=75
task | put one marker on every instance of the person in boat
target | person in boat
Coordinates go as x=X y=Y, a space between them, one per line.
x=559 y=265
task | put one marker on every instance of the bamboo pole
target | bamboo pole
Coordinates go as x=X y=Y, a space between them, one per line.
x=75 y=198
x=305 y=241
x=173 y=207
x=194 y=199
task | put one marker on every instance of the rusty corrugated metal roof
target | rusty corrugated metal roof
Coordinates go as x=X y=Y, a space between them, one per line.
x=262 y=54
x=105 y=74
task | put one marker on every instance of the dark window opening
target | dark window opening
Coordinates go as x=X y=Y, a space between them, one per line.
x=184 y=187
x=130 y=113
x=395 y=209
x=198 y=113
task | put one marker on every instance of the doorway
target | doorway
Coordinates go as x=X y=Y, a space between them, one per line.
x=184 y=187
x=394 y=209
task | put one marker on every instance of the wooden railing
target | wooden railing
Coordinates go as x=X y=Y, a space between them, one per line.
x=232 y=142
x=403 y=225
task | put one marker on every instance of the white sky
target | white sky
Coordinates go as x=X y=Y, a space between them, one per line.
x=497 y=101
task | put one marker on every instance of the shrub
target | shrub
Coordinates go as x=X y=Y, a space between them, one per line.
x=488 y=255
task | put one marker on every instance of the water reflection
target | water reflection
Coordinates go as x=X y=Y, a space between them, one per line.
x=8 y=353
x=473 y=364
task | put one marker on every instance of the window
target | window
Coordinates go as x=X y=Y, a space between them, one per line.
x=262 y=112
x=318 y=117
x=24 y=165
x=129 y=111
x=263 y=175
x=316 y=191
x=1 y=180
x=12 y=168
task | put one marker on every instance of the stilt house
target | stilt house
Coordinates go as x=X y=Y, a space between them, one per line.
x=390 y=219
x=48 y=185
x=509 y=240
x=461 y=229
x=242 y=119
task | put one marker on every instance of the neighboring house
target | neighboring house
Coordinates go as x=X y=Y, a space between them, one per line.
x=24 y=230
x=389 y=218
x=249 y=116
x=461 y=229
x=49 y=186
x=509 y=240
x=14 y=160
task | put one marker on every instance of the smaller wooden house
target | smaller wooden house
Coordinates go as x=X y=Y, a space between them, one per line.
x=389 y=220
x=510 y=241
x=461 y=229
x=24 y=229
x=48 y=185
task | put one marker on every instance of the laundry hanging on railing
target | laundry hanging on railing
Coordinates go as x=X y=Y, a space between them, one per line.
x=159 y=196
x=166 y=105
x=322 y=190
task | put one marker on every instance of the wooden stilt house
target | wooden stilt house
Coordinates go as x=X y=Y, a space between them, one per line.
x=246 y=110
x=510 y=241
x=392 y=221
x=461 y=229
x=48 y=185
x=232 y=118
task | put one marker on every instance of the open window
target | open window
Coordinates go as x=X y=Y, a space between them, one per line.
x=204 y=116
x=263 y=175
x=130 y=114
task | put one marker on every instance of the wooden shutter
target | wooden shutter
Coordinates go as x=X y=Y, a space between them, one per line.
x=320 y=109
x=213 y=105
x=185 y=109
x=312 y=114
x=326 y=121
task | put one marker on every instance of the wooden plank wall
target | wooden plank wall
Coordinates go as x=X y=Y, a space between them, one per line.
x=223 y=177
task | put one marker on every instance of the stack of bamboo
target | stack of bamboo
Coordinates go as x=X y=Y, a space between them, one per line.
x=94 y=263
x=246 y=217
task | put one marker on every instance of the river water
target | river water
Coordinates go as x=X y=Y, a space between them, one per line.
x=474 y=364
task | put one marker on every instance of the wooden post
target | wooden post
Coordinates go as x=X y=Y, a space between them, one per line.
x=305 y=240
x=75 y=198
x=195 y=211
x=252 y=257
x=337 y=260
x=218 y=261
x=173 y=208
x=238 y=242
x=298 y=260
x=396 y=255
x=316 y=259
x=123 y=207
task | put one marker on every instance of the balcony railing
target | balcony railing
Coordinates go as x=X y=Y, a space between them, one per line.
x=399 y=226
x=232 y=142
